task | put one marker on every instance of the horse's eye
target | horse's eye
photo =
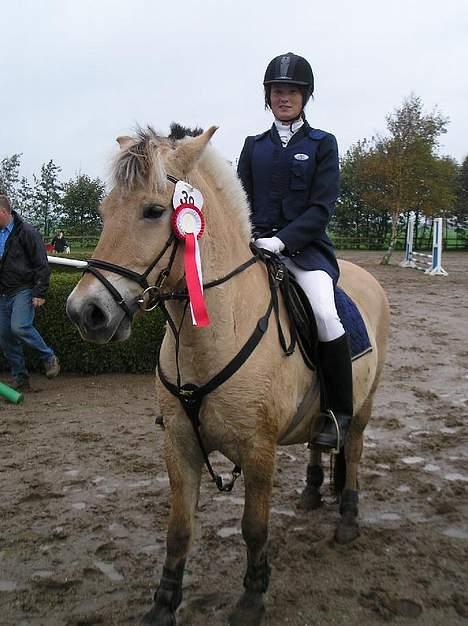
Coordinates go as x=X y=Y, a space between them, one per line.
x=153 y=211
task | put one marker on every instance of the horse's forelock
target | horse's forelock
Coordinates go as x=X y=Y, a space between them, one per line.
x=140 y=165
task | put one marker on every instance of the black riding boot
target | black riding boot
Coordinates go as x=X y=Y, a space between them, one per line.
x=337 y=375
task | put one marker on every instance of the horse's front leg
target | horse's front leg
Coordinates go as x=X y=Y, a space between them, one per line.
x=184 y=464
x=258 y=477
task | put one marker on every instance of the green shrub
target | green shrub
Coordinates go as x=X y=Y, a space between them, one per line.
x=138 y=354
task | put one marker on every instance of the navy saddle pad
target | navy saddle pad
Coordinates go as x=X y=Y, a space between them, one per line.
x=353 y=324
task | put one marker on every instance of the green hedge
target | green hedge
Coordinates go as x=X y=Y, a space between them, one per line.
x=137 y=354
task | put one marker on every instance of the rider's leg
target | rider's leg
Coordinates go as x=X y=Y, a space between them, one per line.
x=335 y=358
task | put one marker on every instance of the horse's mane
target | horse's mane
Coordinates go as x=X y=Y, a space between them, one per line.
x=141 y=166
x=179 y=132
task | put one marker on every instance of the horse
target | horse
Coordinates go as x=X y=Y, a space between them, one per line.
x=251 y=409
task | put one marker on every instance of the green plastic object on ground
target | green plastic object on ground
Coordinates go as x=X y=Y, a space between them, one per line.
x=11 y=394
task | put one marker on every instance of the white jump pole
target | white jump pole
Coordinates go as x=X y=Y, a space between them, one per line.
x=434 y=260
x=58 y=260
x=408 y=259
x=436 y=268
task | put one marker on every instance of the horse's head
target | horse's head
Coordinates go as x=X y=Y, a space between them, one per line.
x=136 y=244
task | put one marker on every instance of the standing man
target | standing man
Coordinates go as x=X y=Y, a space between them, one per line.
x=24 y=279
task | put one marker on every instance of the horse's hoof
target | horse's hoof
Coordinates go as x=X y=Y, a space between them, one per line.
x=159 y=616
x=249 y=611
x=311 y=499
x=346 y=532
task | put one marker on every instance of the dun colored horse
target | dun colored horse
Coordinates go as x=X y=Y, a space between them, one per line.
x=247 y=411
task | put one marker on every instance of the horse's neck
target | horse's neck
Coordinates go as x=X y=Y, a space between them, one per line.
x=234 y=307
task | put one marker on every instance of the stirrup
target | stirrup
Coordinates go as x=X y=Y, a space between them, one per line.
x=331 y=416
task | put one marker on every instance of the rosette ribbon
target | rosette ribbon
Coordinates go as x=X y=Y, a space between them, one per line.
x=188 y=225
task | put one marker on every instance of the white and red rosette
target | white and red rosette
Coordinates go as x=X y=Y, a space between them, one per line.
x=188 y=225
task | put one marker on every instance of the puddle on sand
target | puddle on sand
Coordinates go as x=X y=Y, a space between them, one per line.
x=412 y=460
x=456 y=533
x=288 y=512
x=376 y=518
x=419 y=433
x=430 y=467
x=42 y=573
x=117 y=530
x=456 y=476
x=229 y=531
x=109 y=570
x=290 y=456
x=8 y=585
x=140 y=483
x=71 y=473
x=162 y=478
x=404 y=488
x=107 y=489
x=233 y=499
x=150 y=549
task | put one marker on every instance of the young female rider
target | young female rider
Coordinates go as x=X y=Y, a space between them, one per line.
x=291 y=176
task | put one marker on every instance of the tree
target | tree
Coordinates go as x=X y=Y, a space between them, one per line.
x=408 y=160
x=47 y=197
x=359 y=208
x=80 y=202
x=25 y=196
x=461 y=204
x=9 y=177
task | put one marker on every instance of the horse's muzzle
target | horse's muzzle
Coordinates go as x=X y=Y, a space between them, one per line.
x=95 y=322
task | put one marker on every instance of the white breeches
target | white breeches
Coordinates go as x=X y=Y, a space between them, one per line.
x=318 y=287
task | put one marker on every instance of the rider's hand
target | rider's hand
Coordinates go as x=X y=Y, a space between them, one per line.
x=272 y=244
x=37 y=302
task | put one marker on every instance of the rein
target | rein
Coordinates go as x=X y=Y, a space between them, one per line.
x=191 y=396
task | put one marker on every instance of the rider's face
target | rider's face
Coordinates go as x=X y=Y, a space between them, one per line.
x=286 y=102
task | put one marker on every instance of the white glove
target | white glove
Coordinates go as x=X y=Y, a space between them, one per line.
x=272 y=244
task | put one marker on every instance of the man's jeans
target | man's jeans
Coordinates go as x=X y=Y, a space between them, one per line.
x=16 y=328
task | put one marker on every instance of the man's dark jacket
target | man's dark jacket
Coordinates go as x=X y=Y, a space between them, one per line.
x=24 y=262
x=292 y=192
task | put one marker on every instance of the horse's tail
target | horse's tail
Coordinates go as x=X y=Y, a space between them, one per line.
x=339 y=473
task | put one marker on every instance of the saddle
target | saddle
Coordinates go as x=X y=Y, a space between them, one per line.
x=301 y=318
x=302 y=324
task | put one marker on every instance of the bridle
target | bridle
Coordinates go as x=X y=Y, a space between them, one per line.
x=130 y=308
x=190 y=395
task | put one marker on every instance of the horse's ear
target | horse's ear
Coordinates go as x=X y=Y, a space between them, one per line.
x=125 y=142
x=188 y=152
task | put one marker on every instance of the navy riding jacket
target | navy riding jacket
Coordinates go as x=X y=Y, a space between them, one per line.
x=292 y=192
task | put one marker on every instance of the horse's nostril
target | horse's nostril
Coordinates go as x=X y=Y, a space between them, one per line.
x=93 y=317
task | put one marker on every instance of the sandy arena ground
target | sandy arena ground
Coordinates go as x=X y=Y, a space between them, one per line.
x=84 y=495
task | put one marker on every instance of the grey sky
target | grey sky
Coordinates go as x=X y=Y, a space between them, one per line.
x=76 y=74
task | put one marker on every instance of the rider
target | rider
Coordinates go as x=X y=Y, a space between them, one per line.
x=291 y=176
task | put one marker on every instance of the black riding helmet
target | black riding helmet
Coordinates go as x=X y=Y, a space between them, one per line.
x=289 y=69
